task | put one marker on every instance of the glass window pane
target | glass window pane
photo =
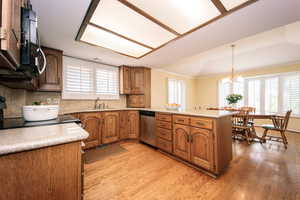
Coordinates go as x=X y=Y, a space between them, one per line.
x=254 y=96
x=271 y=95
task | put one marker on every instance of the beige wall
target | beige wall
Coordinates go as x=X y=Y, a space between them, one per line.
x=16 y=98
x=159 y=88
x=207 y=88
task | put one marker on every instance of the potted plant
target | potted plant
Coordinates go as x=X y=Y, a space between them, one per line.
x=233 y=99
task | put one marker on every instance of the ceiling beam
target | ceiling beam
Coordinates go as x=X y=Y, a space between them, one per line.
x=220 y=6
x=143 y=13
x=119 y=35
x=87 y=18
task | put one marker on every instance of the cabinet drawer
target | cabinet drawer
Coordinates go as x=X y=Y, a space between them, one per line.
x=164 y=133
x=179 y=119
x=162 y=124
x=164 y=117
x=164 y=145
x=202 y=123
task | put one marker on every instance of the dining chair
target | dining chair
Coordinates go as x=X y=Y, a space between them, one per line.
x=279 y=125
x=240 y=126
x=251 y=119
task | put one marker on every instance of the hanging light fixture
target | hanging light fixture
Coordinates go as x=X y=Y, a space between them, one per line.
x=232 y=78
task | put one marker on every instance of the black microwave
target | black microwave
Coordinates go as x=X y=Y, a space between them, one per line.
x=33 y=60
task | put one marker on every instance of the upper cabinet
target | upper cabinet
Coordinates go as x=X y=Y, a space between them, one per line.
x=136 y=83
x=51 y=78
x=137 y=80
x=10 y=33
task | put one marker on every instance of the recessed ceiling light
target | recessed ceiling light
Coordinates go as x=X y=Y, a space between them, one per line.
x=137 y=27
x=96 y=36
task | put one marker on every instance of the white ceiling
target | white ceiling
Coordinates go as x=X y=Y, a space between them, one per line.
x=59 y=22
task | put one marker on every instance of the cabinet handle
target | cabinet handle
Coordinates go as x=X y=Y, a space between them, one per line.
x=191 y=138
x=188 y=139
x=200 y=124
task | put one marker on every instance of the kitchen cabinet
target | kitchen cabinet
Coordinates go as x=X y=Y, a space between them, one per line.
x=135 y=82
x=164 y=137
x=110 y=127
x=50 y=173
x=201 y=152
x=136 y=101
x=133 y=124
x=10 y=34
x=129 y=124
x=92 y=123
x=181 y=144
x=51 y=78
x=125 y=81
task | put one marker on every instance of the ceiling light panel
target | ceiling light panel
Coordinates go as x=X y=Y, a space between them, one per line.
x=108 y=40
x=229 y=4
x=180 y=15
x=120 y=19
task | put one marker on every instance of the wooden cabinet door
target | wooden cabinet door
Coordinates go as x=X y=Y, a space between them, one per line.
x=51 y=79
x=137 y=80
x=181 y=145
x=92 y=124
x=125 y=80
x=123 y=124
x=11 y=27
x=136 y=101
x=202 y=148
x=133 y=124
x=110 y=127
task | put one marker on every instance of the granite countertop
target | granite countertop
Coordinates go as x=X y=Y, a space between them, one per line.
x=199 y=113
x=23 y=139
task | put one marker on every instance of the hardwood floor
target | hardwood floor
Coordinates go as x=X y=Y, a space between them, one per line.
x=257 y=172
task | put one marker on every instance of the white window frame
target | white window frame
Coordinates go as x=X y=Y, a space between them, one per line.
x=183 y=92
x=262 y=79
x=87 y=96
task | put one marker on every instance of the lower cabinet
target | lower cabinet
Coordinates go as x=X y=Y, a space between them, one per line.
x=129 y=124
x=108 y=127
x=92 y=123
x=133 y=124
x=194 y=145
x=111 y=121
x=181 y=144
x=201 y=147
x=50 y=173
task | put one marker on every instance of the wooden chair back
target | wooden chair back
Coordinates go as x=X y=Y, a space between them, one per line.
x=281 y=123
x=241 y=119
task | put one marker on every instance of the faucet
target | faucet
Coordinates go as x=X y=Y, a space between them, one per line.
x=96 y=106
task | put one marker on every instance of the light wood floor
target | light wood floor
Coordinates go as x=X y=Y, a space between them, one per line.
x=266 y=172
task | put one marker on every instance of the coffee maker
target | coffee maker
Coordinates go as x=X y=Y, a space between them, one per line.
x=2 y=107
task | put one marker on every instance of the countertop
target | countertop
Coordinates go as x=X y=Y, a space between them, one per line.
x=199 y=113
x=23 y=139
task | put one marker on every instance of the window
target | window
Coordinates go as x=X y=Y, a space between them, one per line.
x=87 y=80
x=176 y=92
x=268 y=93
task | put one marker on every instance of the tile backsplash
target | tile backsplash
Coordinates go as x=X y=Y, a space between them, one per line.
x=16 y=98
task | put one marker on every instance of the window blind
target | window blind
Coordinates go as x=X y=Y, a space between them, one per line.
x=107 y=83
x=87 y=80
x=254 y=94
x=291 y=93
x=271 y=94
x=176 y=92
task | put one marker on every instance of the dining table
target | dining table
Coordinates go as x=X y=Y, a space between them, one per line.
x=252 y=115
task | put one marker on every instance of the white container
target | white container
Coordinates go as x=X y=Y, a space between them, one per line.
x=40 y=113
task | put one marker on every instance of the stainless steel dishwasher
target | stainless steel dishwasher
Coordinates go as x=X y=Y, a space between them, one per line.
x=147 y=124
